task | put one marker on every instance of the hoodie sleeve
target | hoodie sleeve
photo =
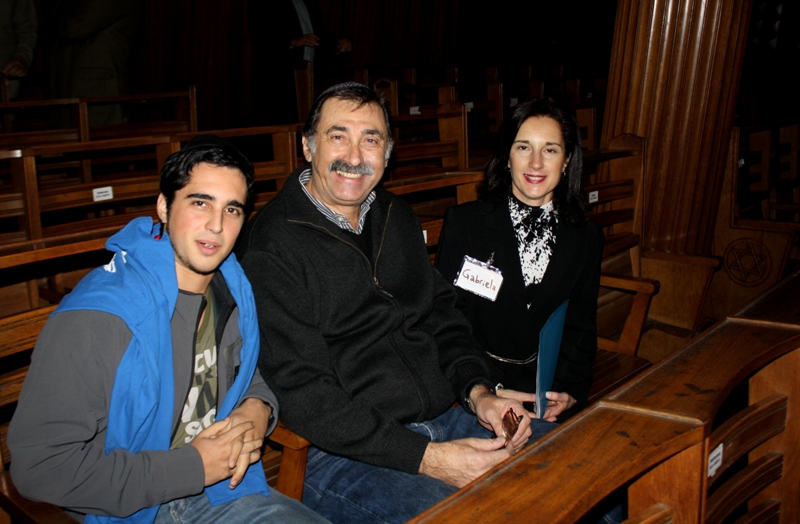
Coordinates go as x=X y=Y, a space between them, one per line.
x=57 y=435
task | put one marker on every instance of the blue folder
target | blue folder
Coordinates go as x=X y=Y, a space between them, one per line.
x=549 y=346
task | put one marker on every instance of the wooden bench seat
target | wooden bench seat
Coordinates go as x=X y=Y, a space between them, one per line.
x=617 y=360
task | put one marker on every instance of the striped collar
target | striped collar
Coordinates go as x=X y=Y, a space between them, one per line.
x=332 y=215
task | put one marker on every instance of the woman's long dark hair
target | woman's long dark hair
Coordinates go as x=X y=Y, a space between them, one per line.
x=567 y=198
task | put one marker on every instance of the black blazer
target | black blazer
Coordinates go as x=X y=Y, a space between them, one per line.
x=507 y=327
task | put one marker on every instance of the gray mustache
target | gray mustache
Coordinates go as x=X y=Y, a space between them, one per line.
x=361 y=169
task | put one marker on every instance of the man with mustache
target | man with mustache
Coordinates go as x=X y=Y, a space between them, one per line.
x=360 y=338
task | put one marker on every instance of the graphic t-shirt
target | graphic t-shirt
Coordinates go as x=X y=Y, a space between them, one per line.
x=200 y=409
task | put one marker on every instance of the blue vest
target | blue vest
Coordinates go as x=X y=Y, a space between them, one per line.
x=140 y=286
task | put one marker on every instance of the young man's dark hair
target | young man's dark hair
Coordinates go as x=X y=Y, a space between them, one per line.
x=360 y=95
x=209 y=149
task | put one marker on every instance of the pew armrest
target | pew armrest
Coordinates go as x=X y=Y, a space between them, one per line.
x=643 y=290
x=21 y=509
x=293 y=462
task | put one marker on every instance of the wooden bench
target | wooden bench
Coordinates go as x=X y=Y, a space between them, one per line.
x=615 y=204
x=659 y=437
x=424 y=154
x=145 y=154
x=414 y=89
x=430 y=198
x=617 y=360
x=146 y=117
x=74 y=192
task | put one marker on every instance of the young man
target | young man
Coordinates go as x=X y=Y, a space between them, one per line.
x=360 y=336
x=143 y=398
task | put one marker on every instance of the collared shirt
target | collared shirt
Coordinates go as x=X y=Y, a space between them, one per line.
x=332 y=215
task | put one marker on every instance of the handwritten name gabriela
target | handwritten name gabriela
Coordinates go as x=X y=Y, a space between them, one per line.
x=488 y=284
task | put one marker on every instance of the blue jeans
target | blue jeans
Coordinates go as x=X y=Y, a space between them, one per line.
x=256 y=508
x=348 y=491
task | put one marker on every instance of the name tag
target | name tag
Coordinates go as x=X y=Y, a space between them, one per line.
x=479 y=278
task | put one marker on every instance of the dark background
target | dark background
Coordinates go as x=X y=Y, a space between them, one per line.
x=208 y=44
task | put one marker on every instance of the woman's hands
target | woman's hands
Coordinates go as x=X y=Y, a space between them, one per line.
x=557 y=403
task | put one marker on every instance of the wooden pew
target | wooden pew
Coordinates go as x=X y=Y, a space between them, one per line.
x=657 y=434
x=615 y=204
x=481 y=90
x=147 y=154
x=146 y=117
x=446 y=89
x=462 y=186
x=617 y=360
x=412 y=90
x=422 y=150
x=28 y=164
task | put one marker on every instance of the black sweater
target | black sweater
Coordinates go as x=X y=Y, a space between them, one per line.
x=354 y=349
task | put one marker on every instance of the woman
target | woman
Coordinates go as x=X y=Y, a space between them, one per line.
x=531 y=226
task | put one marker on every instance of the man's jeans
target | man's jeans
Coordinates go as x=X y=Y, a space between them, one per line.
x=347 y=491
x=256 y=508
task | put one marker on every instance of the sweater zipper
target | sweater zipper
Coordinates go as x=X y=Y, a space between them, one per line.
x=373 y=268
x=423 y=398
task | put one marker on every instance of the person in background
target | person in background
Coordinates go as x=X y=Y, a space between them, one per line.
x=17 y=41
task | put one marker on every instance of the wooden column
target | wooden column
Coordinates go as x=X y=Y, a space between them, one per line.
x=674 y=77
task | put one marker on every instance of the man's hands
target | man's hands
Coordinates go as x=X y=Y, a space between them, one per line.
x=491 y=408
x=459 y=462
x=556 y=402
x=229 y=446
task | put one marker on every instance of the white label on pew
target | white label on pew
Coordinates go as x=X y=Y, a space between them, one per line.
x=593 y=196
x=425 y=235
x=714 y=461
x=414 y=110
x=103 y=193
x=514 y=102
x=469 y=106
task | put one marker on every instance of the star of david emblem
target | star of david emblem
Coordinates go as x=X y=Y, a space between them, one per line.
x=747 y=262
